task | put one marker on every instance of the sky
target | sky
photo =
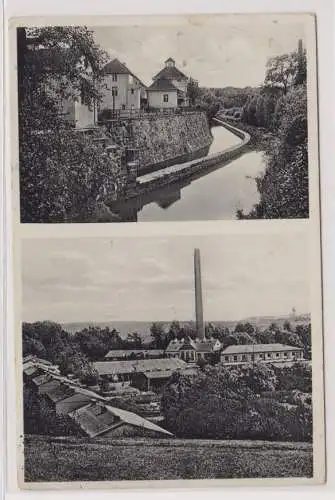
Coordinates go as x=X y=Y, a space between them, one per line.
x=215 y=54
x=151 y=279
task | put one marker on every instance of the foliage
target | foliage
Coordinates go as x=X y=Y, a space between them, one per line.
x=193 y=91
x=62 y=175
x=227 y=403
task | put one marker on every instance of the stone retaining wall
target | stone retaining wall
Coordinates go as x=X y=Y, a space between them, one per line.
x=196 y=167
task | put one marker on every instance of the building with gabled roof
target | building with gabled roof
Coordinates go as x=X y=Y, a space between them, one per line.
x=142 y=373
x=119 y=354
x=169 y=88
x=261 y=353
x=121 y=88
x=98 y=420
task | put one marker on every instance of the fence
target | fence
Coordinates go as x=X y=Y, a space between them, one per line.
x=129 y=114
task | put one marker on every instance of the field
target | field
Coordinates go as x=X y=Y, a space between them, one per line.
x=80 y=459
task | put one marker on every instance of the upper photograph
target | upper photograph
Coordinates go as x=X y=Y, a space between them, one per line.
x=176 y=118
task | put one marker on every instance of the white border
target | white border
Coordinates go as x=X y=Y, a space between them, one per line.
x=326 y=104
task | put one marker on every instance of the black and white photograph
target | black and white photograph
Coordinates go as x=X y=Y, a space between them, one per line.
x=170 y=358
x=165 y=119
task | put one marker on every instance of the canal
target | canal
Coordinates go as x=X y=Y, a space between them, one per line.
x=217 y=195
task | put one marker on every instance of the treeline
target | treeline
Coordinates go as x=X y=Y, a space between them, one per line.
x=281 y=108
x=74 y=353
x=245 y=402
x=243 y=333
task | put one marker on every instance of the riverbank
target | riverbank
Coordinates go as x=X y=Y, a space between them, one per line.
x=259 y=137
x=75 y=459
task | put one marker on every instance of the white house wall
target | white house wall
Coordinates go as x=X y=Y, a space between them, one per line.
x=156 y=99
x=84 y=117
x=124 y=99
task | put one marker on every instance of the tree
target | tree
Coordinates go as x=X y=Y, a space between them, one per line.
x=193 y=91
x=62 y=175
x=282 y=71
x=158 y=335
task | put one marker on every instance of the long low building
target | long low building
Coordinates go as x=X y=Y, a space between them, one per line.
x=136 y=371
x=120 y=354
x=261 y=353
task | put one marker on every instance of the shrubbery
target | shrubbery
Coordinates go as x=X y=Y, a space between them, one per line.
x=235 y=403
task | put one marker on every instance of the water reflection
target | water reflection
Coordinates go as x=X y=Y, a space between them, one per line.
x=217 y=194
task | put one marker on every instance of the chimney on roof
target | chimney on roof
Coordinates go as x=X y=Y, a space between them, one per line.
x=200 y=329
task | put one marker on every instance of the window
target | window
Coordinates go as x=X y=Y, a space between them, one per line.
x=114 y=91
x=244 y=358
x=165 y=97
x=226 y=358
x=277 y=354
x=132 y=91
x=114 y=77
x=235 y=358
x=285 y=354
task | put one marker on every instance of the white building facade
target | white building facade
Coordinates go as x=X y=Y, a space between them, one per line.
x=261 y=353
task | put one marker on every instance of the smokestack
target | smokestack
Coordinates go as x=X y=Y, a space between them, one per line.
x=198 y=296
x=300 y=48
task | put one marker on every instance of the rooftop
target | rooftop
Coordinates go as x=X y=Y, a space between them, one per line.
x=128 y=352
x=163 y=85
x=138 y=365
x=119 y=68
x=170 y=73
x=251 y=348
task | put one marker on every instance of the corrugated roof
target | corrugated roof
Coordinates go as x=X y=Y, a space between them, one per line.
x=162 y=85
x=133 y=419
x=255 y=348
x=170 y=73
x=137 y=365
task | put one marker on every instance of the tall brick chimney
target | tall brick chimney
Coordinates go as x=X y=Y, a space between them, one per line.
x=200 y=329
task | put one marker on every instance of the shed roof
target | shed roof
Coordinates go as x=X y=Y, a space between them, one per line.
x=252 y=348
x=42 y=379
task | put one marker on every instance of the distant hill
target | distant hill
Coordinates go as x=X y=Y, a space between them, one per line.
x=143 y=327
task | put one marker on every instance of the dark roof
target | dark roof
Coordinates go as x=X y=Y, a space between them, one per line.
x=118 y=68
x=42 y=379
x=251 y=348
x=163 y=85
x=128 y=352
x=60 y=392
x=138 y=366
x=96 y=419
x=133 y=419
x=168 y=373
x=170 y=73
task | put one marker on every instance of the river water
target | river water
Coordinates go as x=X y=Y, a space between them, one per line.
x=216 y=195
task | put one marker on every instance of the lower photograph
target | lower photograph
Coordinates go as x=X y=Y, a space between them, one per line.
x=168 y=358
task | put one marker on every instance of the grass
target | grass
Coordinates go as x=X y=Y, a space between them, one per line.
x=80 y=459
